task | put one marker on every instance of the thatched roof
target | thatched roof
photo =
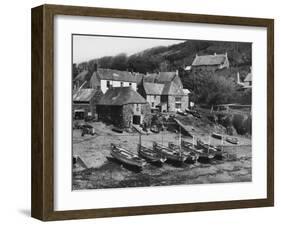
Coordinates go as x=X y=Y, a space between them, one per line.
x=161 y=77
x=207 y=60
x=118 y=96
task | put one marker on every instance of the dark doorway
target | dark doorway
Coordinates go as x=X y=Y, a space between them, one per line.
x=136 y=119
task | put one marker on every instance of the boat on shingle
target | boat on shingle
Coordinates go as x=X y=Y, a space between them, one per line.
x=172 y=155
x=151 y=155
x=127 y=157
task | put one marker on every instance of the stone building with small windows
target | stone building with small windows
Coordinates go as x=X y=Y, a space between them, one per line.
x=164 y=92
x=122 y=106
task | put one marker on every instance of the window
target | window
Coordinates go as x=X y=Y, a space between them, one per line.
x=178 y=99
x=154 y=97
x=152 y=104
x=130 y=84
x=122 y=84
x=137 y=107
x=107 y=84
x=178 y=105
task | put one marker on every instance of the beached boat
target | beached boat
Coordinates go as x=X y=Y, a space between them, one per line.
x=154 y=129
x=208 y=150
x=232 y=140
x=200 y=152
x=192 y=156
x=170 y=154
x=217 y=136
x=151 y=155
x=126 y=156
x=117 y=130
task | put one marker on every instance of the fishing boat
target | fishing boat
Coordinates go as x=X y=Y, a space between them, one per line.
x=232 y=140
x=191 y=155
x=199 y=152
x=126 y=156
x=208 y=150
x=151 y=155
x=217 y=136
x=170 y=154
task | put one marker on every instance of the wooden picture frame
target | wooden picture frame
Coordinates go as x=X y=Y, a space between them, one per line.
x=42 y=203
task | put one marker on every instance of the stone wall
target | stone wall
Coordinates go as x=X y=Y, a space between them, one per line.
x=94 y=101
x=110 y=114
x=146 y=113
x=172 y=103
x=127 y=116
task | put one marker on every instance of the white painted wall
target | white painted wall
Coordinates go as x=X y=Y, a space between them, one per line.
x=117 y=84
x=15 y=147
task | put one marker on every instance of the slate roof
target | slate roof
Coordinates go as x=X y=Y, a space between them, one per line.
x=216 y=59
x=172 y=89
x=83 y=95
x=153 y=88
x=161 y=77
x=116 y=75
x=248 y=77
x=118 y=96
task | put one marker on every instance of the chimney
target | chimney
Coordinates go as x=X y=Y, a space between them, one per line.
x=226 y=54
x=177 y=72
x=95 y=67
x=215 y=54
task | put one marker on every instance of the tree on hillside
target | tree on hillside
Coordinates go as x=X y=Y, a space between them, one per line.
x=211 y=89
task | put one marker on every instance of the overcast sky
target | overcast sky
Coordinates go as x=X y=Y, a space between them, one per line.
x=90 y=47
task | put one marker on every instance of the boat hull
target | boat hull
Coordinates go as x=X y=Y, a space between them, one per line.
x=127 y=157
x=208 y=151
x=172 y=155
x=151 y=156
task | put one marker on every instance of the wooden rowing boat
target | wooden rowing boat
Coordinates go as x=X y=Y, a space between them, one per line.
x=151 y=155
x=126 y=156
x=170 y=154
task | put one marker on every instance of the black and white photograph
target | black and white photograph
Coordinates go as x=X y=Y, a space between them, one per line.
x=160 y=112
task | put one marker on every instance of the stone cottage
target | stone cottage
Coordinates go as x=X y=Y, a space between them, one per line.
x=122 y=106
x=210 y=62
x=164 y=92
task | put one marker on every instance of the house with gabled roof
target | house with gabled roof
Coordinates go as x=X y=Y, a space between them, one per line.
x=210 y=62
x=106 y=78
x=247 y=82
x=163 y=78
x=81 y=80
x=84 y=102
x=164 y=97
x=123 y=106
